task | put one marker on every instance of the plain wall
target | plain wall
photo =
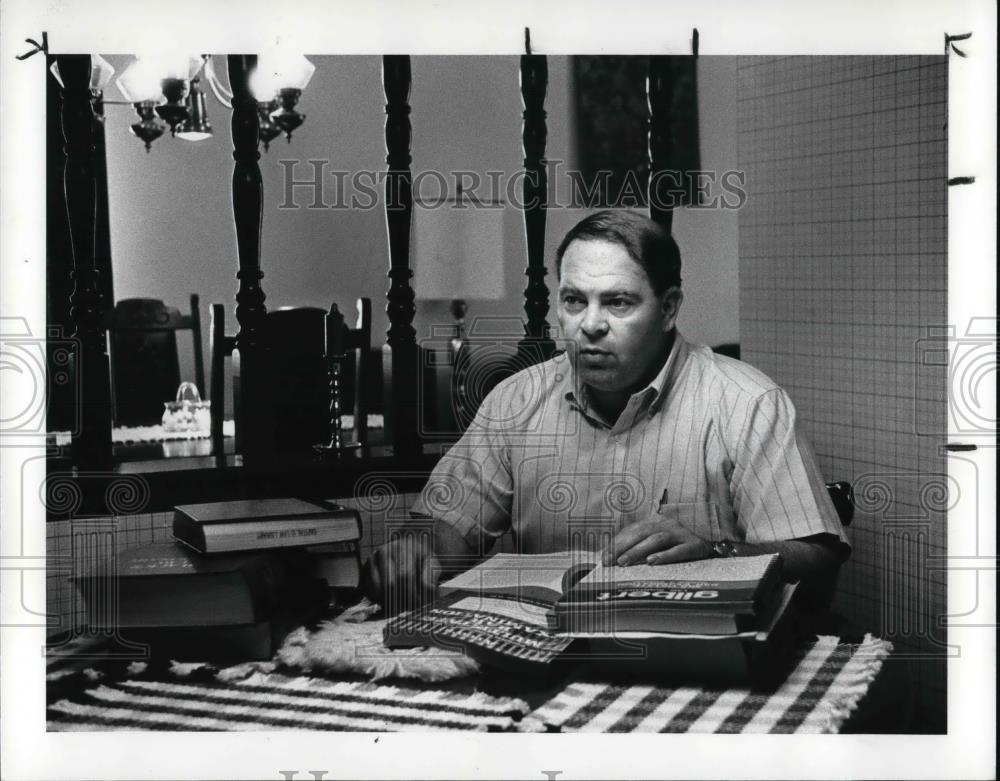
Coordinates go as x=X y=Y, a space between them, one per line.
x=709 y=238
x=843 y=248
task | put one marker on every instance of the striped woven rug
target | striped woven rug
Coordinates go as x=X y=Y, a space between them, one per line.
x=817 y=697
x=819 y=694
x=275 y=702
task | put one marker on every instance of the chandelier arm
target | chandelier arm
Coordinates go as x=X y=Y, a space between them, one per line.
x=223 y=95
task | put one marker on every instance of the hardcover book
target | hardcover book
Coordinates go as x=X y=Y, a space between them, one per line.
x=760 y=654
x=166 y=584
x=492 y=631
x=256 y=524
x=710 y=596
x=305 y=602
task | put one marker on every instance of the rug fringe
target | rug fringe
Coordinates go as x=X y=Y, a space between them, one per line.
x=864 y=667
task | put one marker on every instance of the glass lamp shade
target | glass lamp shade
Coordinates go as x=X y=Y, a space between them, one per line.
x=277 y=70
x=142 y=81
x=101 y=72
x=194 y=135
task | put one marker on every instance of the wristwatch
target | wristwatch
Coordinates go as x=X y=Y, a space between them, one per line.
x=724 y=549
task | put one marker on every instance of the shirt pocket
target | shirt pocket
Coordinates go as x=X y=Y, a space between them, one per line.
x=702 y=518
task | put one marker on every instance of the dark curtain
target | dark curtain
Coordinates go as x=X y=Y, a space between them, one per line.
x=611 y=126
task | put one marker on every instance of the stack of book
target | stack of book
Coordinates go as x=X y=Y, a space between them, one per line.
x=717 y=619
x=236 y=579
x=326 y=535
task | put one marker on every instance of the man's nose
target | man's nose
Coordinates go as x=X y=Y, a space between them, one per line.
x=594 y=324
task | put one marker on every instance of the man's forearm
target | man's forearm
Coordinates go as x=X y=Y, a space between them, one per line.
x=812 y=563
x=453 y=552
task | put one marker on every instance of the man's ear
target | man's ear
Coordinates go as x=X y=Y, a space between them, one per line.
x=671 y=302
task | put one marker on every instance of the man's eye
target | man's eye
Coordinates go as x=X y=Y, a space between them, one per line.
x=619 y=304
x=572 y=302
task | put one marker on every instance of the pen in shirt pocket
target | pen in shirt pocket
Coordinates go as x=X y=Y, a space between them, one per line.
x=663 y=501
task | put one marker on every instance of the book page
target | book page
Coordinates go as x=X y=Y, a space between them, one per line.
x=511 y=573
x=722 y=570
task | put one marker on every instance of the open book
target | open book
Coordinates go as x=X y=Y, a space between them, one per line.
x=533 y=582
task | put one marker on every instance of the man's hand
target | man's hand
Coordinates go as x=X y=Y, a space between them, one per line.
x=656 y=541
x=402 y=574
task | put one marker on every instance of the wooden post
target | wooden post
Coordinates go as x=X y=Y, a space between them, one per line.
x=102 y=230
x=400 y=353
x=91 y=446
x=534 y=76
x=248 y=199
x=658 y=86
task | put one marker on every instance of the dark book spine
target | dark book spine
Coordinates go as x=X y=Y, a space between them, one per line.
x=188 y=531
x=663 y=596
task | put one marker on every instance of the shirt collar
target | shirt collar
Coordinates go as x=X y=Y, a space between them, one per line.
x=664 y=381
x=656 y=390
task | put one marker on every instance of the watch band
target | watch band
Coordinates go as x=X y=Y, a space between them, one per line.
x=724 y=549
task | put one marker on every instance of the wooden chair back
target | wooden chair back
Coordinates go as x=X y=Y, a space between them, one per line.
x=842 y=496
x=145 y=367
x=297 y=355
x=353 y=345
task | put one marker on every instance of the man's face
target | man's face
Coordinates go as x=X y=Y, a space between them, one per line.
x=608 y=308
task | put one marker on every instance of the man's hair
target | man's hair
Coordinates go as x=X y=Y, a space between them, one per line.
x=646 y=242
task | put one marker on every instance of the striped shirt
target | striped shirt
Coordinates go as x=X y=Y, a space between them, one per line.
x=711 y=443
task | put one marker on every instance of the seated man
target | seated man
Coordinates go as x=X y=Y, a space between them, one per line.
x=633 y=441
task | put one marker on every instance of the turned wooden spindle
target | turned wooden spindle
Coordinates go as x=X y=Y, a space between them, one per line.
x=91 y=444
x=658 y=87
x=534 y=76
x=340 y=341
x=400 y=353
x=248 y=199
x=363 y=325
x=335 y=347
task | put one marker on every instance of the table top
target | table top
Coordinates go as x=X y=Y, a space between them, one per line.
x=151 y=443
x=191 y=473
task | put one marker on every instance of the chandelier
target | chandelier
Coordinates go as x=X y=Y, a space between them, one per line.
x=166 y=92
